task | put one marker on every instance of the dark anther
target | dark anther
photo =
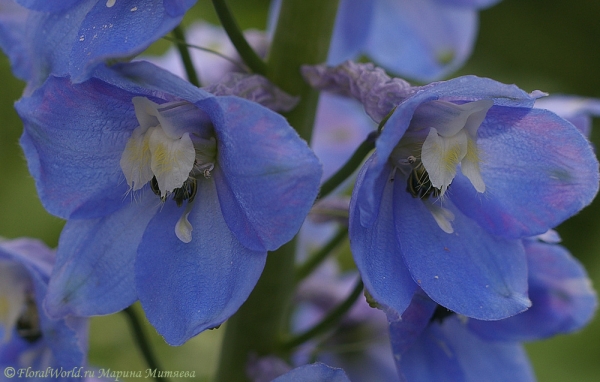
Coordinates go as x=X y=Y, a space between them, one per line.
x=441 y=314
x=186 y=192
x=28 y=324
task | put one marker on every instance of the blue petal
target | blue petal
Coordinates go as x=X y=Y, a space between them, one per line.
x=95 y=261
x=13 y=39
x=538 y=169
x=449 y=352
x=316 y=372
x=270 y=176
x=377 y=252
x=48 y=6
x=424 y=40
x=188 y=288
x=73 y=140
x=562 y=297
x=145 y=78
x=352 y=24
x=49 y=40
x=122 y=30
x=469 y=271
x=407 y=330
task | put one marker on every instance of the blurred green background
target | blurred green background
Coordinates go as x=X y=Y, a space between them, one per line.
x=551 y=45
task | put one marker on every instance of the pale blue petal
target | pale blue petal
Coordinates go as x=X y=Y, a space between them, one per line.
x=94 y=272
x=351 y=30
x=538 y=169
x=406 y=331
x=423 y=40
x=377 y=253
x=270 y=176
x=186 y=288
x=469 y=271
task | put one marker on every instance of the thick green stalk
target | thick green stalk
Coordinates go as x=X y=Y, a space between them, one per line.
x=302 y=37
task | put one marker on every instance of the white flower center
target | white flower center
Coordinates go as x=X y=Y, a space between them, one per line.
x=15 y=286
x=171 y=149
x=441 y=136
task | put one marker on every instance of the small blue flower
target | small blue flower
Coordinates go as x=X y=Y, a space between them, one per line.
x=422 y=40
x=432 y=343
x=462 y=170
x=29 y=338
x=173 y=195
x=72 y=37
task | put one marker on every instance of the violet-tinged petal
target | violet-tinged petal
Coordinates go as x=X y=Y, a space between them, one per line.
x=469 y=271
x=95 y=261
x=448 y=352
x=561 y=293
x=255 y=88
x=186 y=288
x=121 y=30
x=316 y=372
x=538 y=170
x=377 y=252
x=368 y=84
x=577 y=110
x=404 y=332
x=268 y=187
x=73 y=139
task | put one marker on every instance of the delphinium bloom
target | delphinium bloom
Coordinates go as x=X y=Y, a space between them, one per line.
x=72 y=37
x=29 y=338
x=433 y=344
x=423 y=40
x=462 y=170
x=173 y=196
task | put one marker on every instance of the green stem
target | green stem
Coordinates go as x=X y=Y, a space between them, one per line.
x=309 y=265
x=301 y=37
x=142 y=342
x=350 y=166
x=329 y=321
x=254 y=62
x=185 y=56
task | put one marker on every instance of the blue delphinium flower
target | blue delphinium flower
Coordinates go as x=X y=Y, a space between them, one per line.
x=462 y=170
x=173 y=195
x=29 y=338
x=423 y=40
x=72 y=37
x=433 y=344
